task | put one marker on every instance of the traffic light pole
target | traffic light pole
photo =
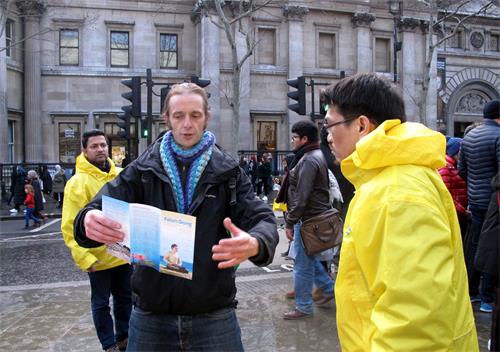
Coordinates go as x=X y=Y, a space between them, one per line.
x=149 y=118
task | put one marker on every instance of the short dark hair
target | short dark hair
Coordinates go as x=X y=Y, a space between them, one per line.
x=366 y=94
x=306 y=128
x=91 y=133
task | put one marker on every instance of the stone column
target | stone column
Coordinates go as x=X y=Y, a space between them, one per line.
x=32 y=11
x=431 y=99
x=362 y=39
x=244 y=111
x=409 y=62
x=4 y=135
x=210 y=68
x=295 y=16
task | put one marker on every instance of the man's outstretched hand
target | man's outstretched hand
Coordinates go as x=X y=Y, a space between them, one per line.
x=233 y=251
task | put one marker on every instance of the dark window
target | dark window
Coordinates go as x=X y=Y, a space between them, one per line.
x=495 y=42
x=168 y=50
x=11 y=132
x=68 y=47
x=119 y=49
x=8 y=37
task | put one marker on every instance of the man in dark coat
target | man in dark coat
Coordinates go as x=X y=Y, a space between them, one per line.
x=479 y=163
x=232 y=226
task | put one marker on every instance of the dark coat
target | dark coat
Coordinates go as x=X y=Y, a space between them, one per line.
x=145 y=181
x=487 y=256
x=38 y=194
x=19 y=194
x=480 y=162
x=47 y=180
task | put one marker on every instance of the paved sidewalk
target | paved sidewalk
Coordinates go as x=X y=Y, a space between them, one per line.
x=56 y=317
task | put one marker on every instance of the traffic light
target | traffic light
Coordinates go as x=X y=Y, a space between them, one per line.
x=163 y=95
x=299 y=95
x=144 y=128
x=323 y=105
x=134 y=95
x=200 y=81
x=125 y=125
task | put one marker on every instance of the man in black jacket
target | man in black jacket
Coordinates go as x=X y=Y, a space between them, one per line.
x=185 y=171
x=479 y=163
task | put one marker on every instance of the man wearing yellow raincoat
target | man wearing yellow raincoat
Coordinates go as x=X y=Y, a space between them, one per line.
x=402 y=282
x=108 y=275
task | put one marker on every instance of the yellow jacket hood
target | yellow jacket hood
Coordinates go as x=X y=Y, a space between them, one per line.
x=395 y=143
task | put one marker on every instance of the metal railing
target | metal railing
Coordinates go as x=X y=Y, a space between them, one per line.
x=6 y=171
x=278 y=158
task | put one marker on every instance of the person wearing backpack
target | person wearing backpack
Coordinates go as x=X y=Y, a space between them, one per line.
x=185 y=171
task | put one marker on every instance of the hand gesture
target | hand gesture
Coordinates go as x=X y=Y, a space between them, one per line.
x=233 y=251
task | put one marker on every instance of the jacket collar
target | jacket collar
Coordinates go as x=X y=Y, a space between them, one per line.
x=84 y=166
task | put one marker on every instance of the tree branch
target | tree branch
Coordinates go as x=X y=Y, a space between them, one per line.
x=249 y=12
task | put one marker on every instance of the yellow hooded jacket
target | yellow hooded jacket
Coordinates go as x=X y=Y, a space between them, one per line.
x=402 y=282
x=79 y=190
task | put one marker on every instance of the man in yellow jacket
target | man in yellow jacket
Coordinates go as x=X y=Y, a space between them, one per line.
x=108 y=275
x=402 y=283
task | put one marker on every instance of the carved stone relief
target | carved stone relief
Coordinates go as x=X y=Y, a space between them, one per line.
x=471 y=103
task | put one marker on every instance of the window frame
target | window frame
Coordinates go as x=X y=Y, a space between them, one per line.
x=168 y=33
x=489 y=47
x=111 y=31
x=389 y=38
x=327 y=29
x=275 y=45
x=77 y=30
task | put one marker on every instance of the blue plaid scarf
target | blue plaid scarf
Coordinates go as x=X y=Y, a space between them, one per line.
x=198 y=157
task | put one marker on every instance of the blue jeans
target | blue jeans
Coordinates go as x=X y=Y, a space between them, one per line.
x=307 y=271
x=29 y=216
x=482 y=282
x=114 y=281
x=215 y=331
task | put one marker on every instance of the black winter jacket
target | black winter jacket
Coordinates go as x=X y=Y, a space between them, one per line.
x=145 y=181
x=480 y=161
x=488 y=248
x=308 y=192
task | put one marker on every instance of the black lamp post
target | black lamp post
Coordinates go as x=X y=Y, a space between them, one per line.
x=396 y=9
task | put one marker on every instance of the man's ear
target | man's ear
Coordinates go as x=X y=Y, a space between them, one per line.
x=365 y=125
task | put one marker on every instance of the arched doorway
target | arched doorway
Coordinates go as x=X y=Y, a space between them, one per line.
x=466 y=105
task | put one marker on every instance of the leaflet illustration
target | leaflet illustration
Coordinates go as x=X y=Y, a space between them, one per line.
x=160 y=239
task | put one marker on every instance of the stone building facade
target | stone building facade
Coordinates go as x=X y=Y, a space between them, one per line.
x=62 y=64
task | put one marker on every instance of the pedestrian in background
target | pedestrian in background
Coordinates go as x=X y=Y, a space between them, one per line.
x=402 y=282
x=29 y=202
x=108 y=275
x=46 y=180
x=58 y=184
x=37 y=187
x=455 y=184
x=307 y=195
x=479 y=163
x=487 y=256
x=18 y=189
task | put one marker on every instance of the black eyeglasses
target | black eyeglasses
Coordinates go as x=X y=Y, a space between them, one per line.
x=327 y=126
